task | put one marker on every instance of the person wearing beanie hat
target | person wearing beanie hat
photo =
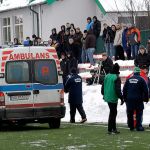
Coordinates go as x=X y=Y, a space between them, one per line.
x=73 y=86
x=137 y=70
x=142 y=59
x=111 y=90
x=135 y=92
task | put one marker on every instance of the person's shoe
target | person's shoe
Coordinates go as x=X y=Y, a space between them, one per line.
x=109 y=132
x=83 y=120
x=115 y=132
x=140 y=129
x=72 y=121
x=132 y=129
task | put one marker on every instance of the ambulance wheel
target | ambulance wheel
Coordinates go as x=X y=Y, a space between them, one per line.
x=54 y=123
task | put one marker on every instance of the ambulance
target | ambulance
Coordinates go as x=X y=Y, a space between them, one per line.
x=31 y=88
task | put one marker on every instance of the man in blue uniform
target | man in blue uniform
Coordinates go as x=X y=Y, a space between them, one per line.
x=74 y=87
x=135 y=92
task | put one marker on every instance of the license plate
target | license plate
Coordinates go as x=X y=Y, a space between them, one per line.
x=20 y=97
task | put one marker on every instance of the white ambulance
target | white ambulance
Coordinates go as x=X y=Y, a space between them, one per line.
x=31 y=89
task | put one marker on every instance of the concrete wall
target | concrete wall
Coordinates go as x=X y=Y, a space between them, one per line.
x=72 y=11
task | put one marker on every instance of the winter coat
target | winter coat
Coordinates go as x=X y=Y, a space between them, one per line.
x=71 y=63
x=142 y=60
x=97 y=28
x=118 y=37
x=133 y=36
x=77 y=39
x=107 y=65
x=61 y=35
x=108 y=35
x=64 y=68
x=135 y=92
x=74 y=48
x=111 y=88
x=90 y=41
x=89 y=26
x=74 y=87
x=124 y=39
x=54 y=36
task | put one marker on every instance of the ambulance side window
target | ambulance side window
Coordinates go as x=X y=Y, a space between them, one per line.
x=45 y=72
x=17 y=72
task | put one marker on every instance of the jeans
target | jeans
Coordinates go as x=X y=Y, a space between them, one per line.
x=90 y=52
x=112 y=117
x=109 y=47
x=80 y=109
x=134 y=50
x=84 y=56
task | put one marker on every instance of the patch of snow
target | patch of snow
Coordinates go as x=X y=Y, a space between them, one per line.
x=11 y=4
x=97 y=110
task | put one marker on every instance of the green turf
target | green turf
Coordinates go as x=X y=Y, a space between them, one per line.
x=72 y=137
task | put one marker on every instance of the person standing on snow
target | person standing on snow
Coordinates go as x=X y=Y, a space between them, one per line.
x=135 y=92
x=111 y=89
x=73 y=86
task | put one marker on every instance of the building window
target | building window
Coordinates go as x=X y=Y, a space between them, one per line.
x=19 y=28
x=6 y=30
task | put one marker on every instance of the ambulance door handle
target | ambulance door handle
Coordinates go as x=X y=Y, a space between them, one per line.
x=36 y=91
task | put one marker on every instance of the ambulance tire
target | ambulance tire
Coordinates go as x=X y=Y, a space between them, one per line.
x=54 y=123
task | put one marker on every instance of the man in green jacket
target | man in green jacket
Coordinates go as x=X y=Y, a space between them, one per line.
x=111 y=89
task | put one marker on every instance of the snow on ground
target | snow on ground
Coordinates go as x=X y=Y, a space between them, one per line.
x=97 y=110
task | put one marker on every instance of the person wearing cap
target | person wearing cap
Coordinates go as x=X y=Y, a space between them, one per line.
x=135 y=92
x=142 y=59
x=73 y=86
x=111 y=90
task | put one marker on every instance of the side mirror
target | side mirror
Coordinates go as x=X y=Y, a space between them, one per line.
x=60 y=73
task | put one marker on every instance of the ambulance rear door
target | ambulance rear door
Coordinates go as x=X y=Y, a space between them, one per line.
x=18 y=84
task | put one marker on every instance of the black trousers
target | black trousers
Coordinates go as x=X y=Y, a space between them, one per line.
x=139 y=118
x=112 y=117
x=80 y=109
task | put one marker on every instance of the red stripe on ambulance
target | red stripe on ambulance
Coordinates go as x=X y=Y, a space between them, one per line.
x=4 y=58
x=51 y=50
x=33 y=105
x=7 y=52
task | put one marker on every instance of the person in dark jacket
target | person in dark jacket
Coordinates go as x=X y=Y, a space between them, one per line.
x=96 y=27
x=54 y=35
x=107 y=64
x=73 y=86
x=71 y=62
x=135 y=92
x=111 y=89
x=61 y=35
x=90 y=46
x=63 y=66
x=125 y=45
x=142 y=59
x=108 y=38
x=78 y=41
x=74 y=48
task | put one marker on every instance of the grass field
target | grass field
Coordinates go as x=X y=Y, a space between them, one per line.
x=72 y=137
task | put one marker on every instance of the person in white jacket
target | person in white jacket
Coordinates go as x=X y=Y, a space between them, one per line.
x=119 y=52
